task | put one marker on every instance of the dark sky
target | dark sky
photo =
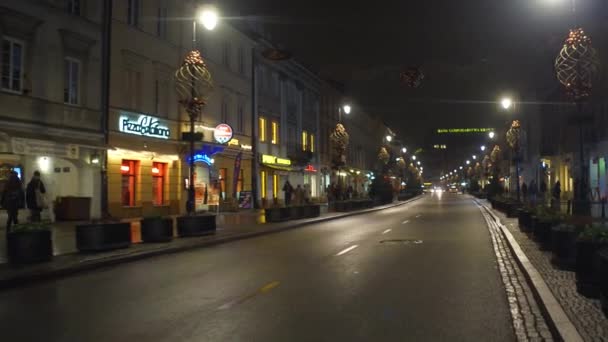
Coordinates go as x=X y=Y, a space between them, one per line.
x=472 y=52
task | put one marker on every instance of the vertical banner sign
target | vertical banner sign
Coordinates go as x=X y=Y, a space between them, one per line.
x=237 y=173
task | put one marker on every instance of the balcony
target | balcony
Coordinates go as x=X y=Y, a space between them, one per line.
x=26 y=109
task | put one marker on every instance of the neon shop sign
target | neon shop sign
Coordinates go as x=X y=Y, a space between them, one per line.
x=145 y=125
x=203 y=158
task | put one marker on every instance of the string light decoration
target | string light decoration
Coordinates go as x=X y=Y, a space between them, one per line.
x=412 y=77
x=577 y=65
x=339 y=138
x=193 y=83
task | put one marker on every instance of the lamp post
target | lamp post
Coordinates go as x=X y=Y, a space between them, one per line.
x=193 y=84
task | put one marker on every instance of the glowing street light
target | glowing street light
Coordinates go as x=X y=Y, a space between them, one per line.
x=468 y=162
x=483 y=148
x=404 y=150
x=492 y=135
x=208 y=17
x=506 y=103
x=413 y=157
x=474 y=157
x=461 y=167
x=389 y=138
x=455 y=170
x=419 y=162
x=346 y=108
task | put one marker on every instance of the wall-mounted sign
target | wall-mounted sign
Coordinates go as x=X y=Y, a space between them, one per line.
x=203 y=158
x=234 y=142
x=145 y=125
x=310 y=168
x=268 y=159
x=464 y=130
x=246 y=147
x=222 y=133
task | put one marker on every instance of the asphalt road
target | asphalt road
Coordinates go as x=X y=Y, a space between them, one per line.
x=335 y=281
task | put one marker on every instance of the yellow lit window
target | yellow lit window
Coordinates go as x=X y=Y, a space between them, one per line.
x=262 y=129
x=312 y=142
x=304 y=140
x=263 y=183
x=275 y=133
x=275 y=186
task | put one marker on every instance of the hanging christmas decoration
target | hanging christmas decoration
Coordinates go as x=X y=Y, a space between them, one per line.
x=577 y=65
x=401 y=164
x=495 y=155
x=412 y=77
x=478 y=170
x=339 y=139
x=193 y=83
x=514 y=135
x=383 y=155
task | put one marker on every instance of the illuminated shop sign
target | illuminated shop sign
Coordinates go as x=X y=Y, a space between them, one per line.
x=222 y=133
x=268 y=159
x=234 y=142
x=310 y=168
x=464 y=130
x=246 y=147
x=203 y=158
x=144 y=125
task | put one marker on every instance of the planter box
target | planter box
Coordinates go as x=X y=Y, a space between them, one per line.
x=157 y=229
x=26 y=247
x=103 y=236
x=512 y=210
x=603 y=279
x=344 y=206
x=196 y=225
x=311 y=211
x=587 y=280
x=296 y=212
x=563 y=245
x=524 y=220
x=542 y=233
x=277 y=214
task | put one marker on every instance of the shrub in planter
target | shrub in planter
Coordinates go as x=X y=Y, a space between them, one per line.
x=296 y=212
x=195 y=225
x=563 y=245
x=546 y=220
x=30 y=243
x=102 y=236
x=603 y=279
x=589 y=242
x=156 y=229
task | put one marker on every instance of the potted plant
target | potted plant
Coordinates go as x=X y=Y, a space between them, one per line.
x=156 y=229
x=30 y=243
x=103 y=235
x=589 y=242
x=546 y=219
x=603 y=278
x=563 y=244
x=196 y=225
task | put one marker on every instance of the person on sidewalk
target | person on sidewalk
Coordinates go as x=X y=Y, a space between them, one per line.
x=306 y=194
x=524 y=191
x=288 y=192
x=13 y=199
x=299 y=194
x=533 y=190
x=556 y=194
x=35 y=197
x=543 y=192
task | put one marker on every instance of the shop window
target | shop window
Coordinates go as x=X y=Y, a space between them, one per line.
x=304 y=140
x=239 y=182
x=159 y=171
x=262 y=129
x=223 y=173
x=264 y=191
x=312 y=142
x=275 y=186
x=275 y=133
x=128 y=170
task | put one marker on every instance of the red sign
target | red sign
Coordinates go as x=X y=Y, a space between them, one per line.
x=222 y=133
x=310 y=168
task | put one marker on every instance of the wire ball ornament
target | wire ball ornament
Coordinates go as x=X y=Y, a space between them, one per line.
x=514 y=135
x=340 y=139
x=193 y=83
x=577 y=65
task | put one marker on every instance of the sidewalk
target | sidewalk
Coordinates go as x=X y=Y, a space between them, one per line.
x=583 y=312
x=231 y=227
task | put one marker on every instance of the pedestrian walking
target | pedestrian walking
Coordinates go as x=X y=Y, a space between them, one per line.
x=556 y=194
x=12 y=199
x=306 y=193
x=288 y=192
x=35 y=196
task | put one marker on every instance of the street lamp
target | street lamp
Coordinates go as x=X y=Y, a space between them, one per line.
x=346 y=108
x=419 y=162
x=413 y=157
x=506 y=103
x=483 y=148
x=208 y=17
x=468 y=162
x=461 y=167
x=474 y=157
x=492 y=135
x=389 y=138
x=404 y=150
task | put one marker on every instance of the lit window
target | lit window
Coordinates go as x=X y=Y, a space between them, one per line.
x=128 y=170
x=312 y=142
x=263 y=184
x=304 y=140
x=12 y=65
x=275 y=186
x=158 y=183
x=275 y=133
x=71 y=81
x=262 y=129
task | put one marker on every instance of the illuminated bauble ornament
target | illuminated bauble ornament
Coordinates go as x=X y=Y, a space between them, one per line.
x=193 y=83
x=412 y=77
x=577 y=65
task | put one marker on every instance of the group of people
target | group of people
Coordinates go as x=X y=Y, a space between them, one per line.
x=299 y=194
x=336 y=192
x=14 y=198
x=530 y=192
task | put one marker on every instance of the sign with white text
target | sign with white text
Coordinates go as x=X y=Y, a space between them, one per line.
x=143 y=125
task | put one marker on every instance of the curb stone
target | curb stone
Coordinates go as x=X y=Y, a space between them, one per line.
x=559 y=323
x=109 y=261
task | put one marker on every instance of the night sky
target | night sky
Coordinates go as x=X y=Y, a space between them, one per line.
x=472 y=53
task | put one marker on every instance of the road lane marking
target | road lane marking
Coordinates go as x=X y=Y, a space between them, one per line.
x=347 y=250
x=386 y=231
x=405 y=222
x=264 y=289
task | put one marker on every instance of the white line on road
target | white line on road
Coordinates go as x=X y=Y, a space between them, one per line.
x=386 y=231
x=405 y=222
x=347 y=250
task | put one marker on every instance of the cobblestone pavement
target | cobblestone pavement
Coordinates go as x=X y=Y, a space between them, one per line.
x=528 y=320
x=585 y=313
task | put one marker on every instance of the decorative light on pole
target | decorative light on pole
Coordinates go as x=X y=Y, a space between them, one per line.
x=491 y=135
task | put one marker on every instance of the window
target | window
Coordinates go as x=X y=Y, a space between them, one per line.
x=262 y=129
x=222 y=176
x=128 y=170
x=239 y=182
x=224 y=118
x=71 y=81
x=241 y=60
x=264 y=191
x=312 y=142
x=304 y=140
x=74 y=7
x=158 y=183
x=275 y=186
x=161 y=20
x=133 y=12
x=133 y=89
x=240 y=125
x=226 y=54
x=161 y=91
x=12 y=65
x=275 y=133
